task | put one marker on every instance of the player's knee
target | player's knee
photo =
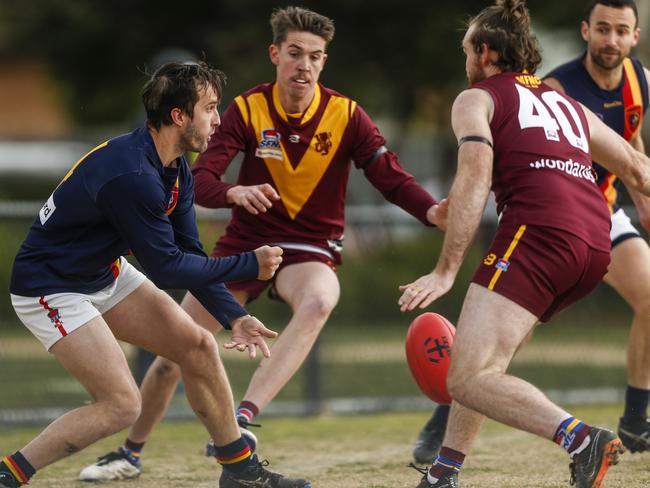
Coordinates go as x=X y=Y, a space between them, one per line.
x=123 y=410
x=458 y=381
x=642 y=307
x=319 y=307
x=166 y=370
x=203 y=350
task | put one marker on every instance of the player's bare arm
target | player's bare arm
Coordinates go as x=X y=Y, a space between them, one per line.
x=641 y=202
x=555 y=84
x=470 y=117
x=254 y=198
x=619 y=157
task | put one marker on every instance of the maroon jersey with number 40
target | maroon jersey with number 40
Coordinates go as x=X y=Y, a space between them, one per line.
x=542 y=162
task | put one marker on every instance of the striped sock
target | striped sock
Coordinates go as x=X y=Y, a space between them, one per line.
x=448 y=461
x=133 y=450
x=18 y=466
x=235 y=456
x=248 y=410
x=572 y=435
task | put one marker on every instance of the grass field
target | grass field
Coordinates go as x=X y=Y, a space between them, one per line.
x=357 y=361
x=346 y=452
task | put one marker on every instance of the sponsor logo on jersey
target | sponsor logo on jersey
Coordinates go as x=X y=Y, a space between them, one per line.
x=616 y=103
x=269 y=146
x=529 y=81
x=569 y=167
x=502 y=264
x=323 y=142
x=295 y=138
x=47 y=210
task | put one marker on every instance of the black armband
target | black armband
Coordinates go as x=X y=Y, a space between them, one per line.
x=480 y=139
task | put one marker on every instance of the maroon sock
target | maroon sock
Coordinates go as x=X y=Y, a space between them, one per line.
x=448 y=461
x=248 y=410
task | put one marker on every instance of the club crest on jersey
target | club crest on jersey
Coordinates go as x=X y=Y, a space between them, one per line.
x=633 y=117
x=173 y=199
x=269 y=146
x=323 y=142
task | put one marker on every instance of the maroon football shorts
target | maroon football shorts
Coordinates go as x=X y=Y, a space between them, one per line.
x=543 y=269
x=254 y=288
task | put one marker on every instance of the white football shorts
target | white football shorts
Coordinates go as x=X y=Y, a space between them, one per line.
x=52 y=317
x=622 y=228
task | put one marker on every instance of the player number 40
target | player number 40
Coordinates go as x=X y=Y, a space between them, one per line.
x=545 y=112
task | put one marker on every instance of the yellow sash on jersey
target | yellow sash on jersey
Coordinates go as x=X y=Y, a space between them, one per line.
x=296 y=185
x=632 y=101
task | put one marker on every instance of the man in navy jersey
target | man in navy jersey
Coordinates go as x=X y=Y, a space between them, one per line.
x=615 y=87
x=75 y=292
x=533 y=147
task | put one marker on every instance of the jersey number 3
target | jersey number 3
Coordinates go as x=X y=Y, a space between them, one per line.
x=546 y=112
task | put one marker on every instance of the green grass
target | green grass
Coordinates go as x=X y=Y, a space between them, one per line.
x=346 y=452
x=357 y=361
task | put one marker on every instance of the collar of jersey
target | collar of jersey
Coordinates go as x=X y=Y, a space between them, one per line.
x=307 y=115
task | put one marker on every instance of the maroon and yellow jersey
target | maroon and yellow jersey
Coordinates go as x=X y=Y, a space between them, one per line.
x=307 y=159
x=542 y=162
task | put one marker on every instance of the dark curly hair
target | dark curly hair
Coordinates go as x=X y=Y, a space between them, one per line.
x=178 y=85
x=505 y=28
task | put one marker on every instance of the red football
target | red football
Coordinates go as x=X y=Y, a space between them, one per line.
x=428 y=346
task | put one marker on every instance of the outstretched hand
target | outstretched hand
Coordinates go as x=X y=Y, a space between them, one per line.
x=424 y=291
x=249 y=333
x=254 y=198
x=438 y=213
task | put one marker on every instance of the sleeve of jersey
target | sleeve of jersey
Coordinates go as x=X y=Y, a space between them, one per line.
x=227 y=141
x=215 y=297
x=142 y=223
x=383 y=170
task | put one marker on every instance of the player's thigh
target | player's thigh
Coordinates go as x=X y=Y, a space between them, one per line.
x=490 y=329
x=201 y=315
x=93 y=356
x=629 y=271
x=297 y=282
x=151 y=319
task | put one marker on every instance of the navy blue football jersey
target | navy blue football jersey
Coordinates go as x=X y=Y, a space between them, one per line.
x=120 y=199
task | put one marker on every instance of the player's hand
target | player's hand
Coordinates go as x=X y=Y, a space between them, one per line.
x=255 y=198
x=424 y=291
x=269 y=259
x=437 y=214
x=249 y=333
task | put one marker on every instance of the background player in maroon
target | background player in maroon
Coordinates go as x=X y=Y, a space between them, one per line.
x=615 y=86
x=298 y=139
x=531 y=146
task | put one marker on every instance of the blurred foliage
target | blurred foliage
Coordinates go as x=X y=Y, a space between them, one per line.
x=383 y=54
